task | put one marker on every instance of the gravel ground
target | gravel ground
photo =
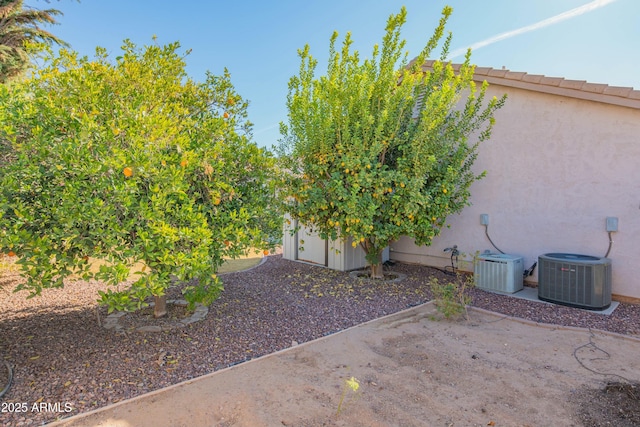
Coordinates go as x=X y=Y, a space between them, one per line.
x=66 y=363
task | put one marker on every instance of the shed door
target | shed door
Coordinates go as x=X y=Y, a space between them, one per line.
x=311 y=247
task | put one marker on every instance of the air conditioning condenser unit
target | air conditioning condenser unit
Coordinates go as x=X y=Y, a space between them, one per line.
x=581 y=281
x=499 y=273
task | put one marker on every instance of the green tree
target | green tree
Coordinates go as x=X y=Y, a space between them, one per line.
x=130 y=161
x=19 y=26
x=377 y=149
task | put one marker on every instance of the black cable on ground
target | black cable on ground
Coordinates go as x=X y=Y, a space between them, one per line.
x=446 y=270
x=8 y=386
x=606 y=357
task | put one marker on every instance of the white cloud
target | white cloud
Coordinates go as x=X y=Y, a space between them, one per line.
x=533 y=27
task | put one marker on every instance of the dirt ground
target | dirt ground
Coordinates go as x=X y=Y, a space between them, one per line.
x=414 y=368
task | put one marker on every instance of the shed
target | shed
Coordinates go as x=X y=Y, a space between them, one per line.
x=305 y=245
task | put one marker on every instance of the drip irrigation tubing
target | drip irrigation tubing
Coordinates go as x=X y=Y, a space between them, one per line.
x=9 y=381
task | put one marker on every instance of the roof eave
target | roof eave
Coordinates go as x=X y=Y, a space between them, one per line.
x=580 y=89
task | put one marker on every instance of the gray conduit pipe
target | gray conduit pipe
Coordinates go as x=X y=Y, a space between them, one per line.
x=486 y=232
x=610 y=244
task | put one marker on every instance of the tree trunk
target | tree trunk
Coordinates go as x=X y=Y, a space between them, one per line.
x=377 y=271
x=160 y=307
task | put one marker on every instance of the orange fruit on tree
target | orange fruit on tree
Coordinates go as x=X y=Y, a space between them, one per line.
x=227 y=243
x=127 y=172
x=183 y=163
x=11 y=253
x=225 y=115
x=265 y=252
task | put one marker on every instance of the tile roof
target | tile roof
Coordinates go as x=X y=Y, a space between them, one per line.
x=581 y=89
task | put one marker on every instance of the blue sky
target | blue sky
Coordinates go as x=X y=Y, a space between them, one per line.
x=258 y=40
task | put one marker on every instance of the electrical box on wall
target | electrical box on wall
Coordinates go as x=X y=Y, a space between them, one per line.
x=612 y=223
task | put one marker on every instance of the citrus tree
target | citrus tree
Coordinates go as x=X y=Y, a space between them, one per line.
x=377 y=149
x=130 y=162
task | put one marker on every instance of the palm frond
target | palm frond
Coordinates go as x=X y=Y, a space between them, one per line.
x=19 y=25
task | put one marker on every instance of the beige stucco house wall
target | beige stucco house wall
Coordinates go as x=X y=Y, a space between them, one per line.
x=564 y=155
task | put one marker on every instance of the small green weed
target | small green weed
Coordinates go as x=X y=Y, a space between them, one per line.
x=450 y=297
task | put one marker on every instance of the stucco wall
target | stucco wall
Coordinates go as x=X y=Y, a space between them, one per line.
x=556 y=168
